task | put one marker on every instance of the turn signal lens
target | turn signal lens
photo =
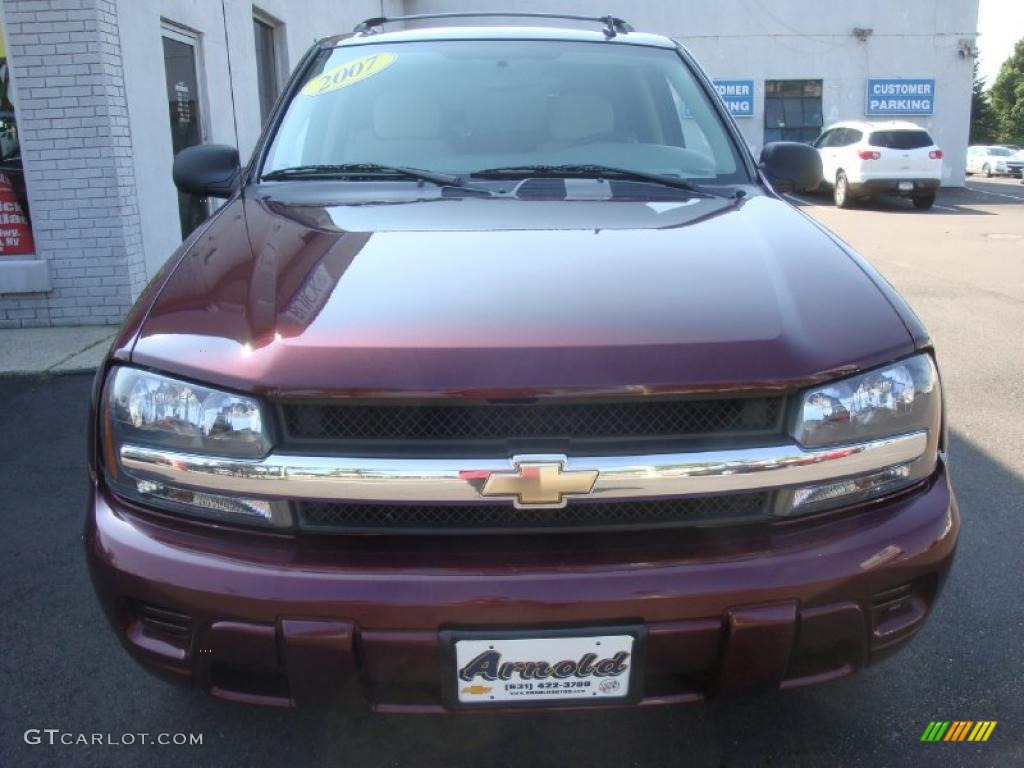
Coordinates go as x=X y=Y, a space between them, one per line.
x=214 y=506
x=803 y=501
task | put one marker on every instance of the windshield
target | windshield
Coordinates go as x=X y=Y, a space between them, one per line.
x=461 y=106
x=999 y=152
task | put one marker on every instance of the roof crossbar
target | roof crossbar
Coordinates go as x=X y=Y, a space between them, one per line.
x=612 y=25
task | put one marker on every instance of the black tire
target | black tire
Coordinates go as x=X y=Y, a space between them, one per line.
x=841 y=191
x=986 y=171
x=924 y=202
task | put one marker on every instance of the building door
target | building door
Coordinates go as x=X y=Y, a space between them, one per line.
x=792 y=110
x=186 y=112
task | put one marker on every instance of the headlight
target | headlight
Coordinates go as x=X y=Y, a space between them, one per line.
x=897 y=399
x=154 y=411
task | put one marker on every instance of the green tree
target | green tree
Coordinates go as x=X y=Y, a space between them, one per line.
x=1008 y=95
x=984 y=125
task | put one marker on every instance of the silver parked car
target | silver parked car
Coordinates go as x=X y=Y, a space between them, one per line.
x=992 y=161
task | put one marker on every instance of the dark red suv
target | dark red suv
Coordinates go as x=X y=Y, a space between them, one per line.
x=504 y=377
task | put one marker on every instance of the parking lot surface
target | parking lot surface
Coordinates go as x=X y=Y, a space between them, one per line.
x=961 y=266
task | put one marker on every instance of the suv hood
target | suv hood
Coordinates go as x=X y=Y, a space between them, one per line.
x=504 y=297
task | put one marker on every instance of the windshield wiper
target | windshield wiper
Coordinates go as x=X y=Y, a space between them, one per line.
x=592 y=171
x=343 y=170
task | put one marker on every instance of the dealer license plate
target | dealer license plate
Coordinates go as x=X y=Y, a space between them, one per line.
x=543 y=670
x=906 y=186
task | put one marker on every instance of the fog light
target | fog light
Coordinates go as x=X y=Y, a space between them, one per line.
x=812 y=498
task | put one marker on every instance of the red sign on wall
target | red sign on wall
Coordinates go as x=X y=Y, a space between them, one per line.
x=15 y=233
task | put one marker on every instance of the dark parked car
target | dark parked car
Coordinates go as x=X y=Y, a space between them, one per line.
x=503 y=378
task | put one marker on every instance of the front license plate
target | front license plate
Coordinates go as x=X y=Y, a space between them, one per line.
x=544 y=670
x=906 y=186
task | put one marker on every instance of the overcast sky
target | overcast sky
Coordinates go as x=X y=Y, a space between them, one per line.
x=1001 y=24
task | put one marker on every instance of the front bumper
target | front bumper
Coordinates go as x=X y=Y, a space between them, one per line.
x=356 y=621
x=921 y=187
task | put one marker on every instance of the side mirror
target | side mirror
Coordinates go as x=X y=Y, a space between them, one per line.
x=207 y=170
x=791 y=166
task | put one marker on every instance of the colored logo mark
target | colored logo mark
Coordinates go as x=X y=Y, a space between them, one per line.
x=958 y=730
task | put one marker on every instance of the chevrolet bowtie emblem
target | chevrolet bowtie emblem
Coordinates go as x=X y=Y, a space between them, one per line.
x=539 y=481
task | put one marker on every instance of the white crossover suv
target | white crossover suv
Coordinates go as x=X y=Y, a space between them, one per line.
x=861 y=159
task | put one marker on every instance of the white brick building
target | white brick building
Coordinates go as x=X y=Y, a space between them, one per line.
x=90 y=82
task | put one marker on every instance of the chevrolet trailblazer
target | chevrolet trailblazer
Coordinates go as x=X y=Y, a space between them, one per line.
x=505 y=378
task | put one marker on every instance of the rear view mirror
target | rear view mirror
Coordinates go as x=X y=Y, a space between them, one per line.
x=791 y=166
x=207 y=170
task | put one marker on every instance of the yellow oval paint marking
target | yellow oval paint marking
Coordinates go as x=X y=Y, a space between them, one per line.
x=347 y=74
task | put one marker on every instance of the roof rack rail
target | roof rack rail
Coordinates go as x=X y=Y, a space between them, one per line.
x=612 y=24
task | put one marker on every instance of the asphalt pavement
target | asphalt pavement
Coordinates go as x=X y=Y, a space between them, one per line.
x=961 y=265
